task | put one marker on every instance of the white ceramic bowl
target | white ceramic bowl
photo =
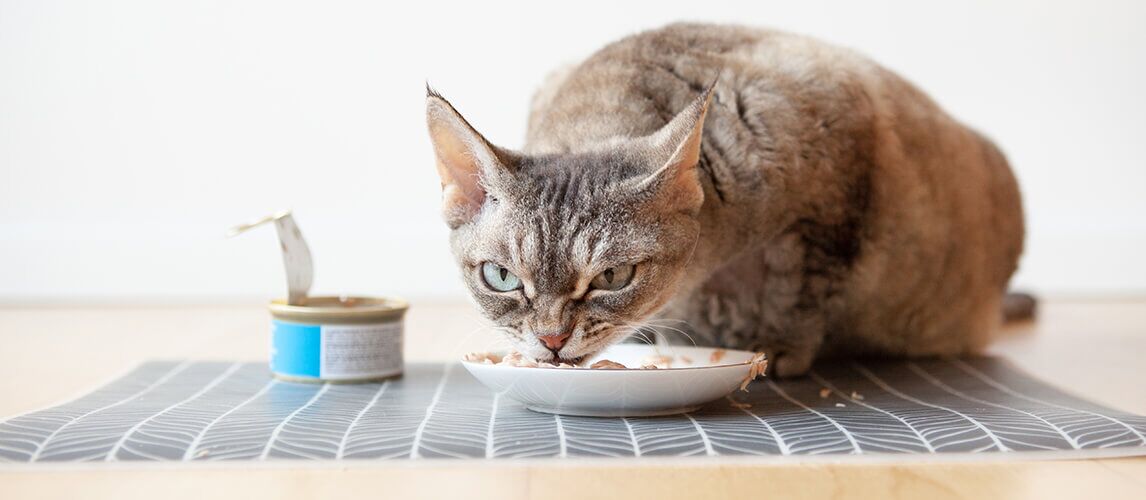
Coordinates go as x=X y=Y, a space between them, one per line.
x=683 y=387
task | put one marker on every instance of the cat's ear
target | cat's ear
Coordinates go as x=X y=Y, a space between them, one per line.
x=676 y=149
x=467 y=163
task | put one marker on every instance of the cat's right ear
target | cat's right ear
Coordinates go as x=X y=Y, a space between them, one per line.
x=676 y=153
x=467 y=164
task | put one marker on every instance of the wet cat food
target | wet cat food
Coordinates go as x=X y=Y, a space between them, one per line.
x=517 y=359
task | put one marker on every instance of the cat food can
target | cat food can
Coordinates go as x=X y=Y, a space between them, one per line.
x=337 y=339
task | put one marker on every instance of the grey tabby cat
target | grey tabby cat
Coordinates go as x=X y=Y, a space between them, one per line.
x=770 y=191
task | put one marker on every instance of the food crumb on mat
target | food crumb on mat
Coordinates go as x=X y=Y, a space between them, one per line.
x=825 y=392
x=840 y=405
x=857 y=396
x=739 y=405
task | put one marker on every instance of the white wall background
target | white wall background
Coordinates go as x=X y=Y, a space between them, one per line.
x=134 y=133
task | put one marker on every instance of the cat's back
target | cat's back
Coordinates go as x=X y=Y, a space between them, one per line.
x=635 y=85
x=806 y=134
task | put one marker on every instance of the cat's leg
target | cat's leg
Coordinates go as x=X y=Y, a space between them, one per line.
x=790 y=328
x=794 y=296
x=792 y=352
x=777 y=300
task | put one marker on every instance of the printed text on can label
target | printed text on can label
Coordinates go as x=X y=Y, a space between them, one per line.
x=333 y=352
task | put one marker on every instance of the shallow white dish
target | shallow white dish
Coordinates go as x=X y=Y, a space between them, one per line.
x=622 y=393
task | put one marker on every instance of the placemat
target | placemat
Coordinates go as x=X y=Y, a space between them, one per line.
x=195 y=411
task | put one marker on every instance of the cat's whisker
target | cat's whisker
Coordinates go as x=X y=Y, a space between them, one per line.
x=469 y=335
x=657 y=338
x=637 y=331
x=455 y=350
x=643 y=336
x=663 y=321
x=656 y=320
x=678 y=330
x=656 y=325
x=648 y=332
x=625 y=331
x=600 y=342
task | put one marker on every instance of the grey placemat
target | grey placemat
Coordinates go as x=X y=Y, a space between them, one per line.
x=175 y=411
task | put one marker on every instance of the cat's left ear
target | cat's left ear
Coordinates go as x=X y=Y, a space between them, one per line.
x=677 y=147
x=467 y=163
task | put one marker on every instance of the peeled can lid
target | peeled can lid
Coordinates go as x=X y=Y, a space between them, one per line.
x=319 y=310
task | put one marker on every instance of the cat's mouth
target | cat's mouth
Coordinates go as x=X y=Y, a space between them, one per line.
x=576 y=361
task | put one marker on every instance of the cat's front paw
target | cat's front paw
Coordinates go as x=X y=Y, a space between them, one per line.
x=789 y=363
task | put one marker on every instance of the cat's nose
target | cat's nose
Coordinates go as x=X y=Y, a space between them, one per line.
x=555 y=341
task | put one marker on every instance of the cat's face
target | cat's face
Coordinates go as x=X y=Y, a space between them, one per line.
x=568 y=251
x=565 y=252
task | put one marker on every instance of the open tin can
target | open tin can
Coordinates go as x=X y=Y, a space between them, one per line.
x=337 y=339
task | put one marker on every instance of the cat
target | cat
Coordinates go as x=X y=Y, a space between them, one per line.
x=756 y=189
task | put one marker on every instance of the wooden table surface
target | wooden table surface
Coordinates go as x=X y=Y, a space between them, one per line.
x=51 y=354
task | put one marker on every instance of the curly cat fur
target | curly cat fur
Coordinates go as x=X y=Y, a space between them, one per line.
x=830 y=209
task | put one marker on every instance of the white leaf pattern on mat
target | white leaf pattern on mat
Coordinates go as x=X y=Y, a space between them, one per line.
x=667 y=436
x=457 y=419
x=1013 y=425
x=416 y=445
x=90 y=436
x=848 y=437
x=632 y=437
x=22 y=435
x=219 y=411
x=562 y=447
x=244 y=433
x=597 y=437
x=730 y=434
x=492 y=423
x=522 y=433
x=358 y=418
x=192 y=451
x=315 y=442
x=875 y=432
x=148 y=441
x=1090 y=429
x=319 y=428
x=703 y=435
x=386 y=429
x=946 y=427
x=793 y=429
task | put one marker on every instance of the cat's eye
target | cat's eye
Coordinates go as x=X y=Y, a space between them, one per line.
x=613 y=278
x=498 y=278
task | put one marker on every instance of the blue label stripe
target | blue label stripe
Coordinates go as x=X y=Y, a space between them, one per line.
x=296 y=349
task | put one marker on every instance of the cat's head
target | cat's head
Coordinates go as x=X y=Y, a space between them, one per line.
x=565 y=252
